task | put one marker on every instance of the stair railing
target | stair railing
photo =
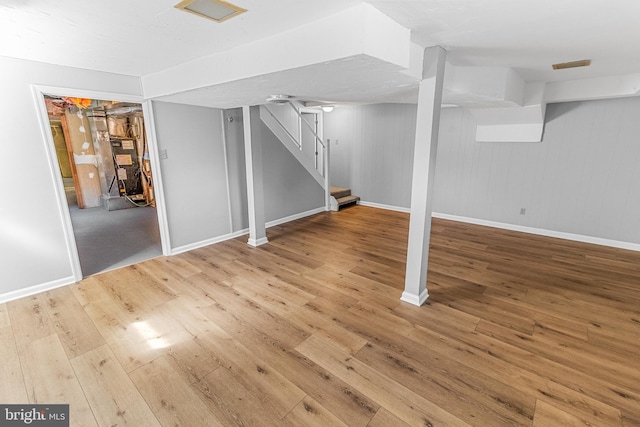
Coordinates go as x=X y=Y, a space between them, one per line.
x=302 y=120
x=325 y=147
x=284 y=128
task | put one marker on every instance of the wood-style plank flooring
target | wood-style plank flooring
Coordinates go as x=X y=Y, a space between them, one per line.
x=309 y=330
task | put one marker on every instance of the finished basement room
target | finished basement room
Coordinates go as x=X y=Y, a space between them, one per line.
x=374 y=213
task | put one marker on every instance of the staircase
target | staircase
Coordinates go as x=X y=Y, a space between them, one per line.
x=342 y=197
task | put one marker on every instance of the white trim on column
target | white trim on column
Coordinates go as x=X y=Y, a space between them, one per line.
x=424 y=163
x=253 y=162
x=413 y=299
x=257 y=242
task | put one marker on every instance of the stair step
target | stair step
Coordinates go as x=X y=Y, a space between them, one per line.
x=340 y=192
x=347 y=200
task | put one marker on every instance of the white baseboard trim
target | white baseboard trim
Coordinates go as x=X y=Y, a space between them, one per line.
x=207 y=242
x=295 y=216
x=257 y=242
x=387 y=207
x=25 y=292
x=542 y=232
x=415 y=299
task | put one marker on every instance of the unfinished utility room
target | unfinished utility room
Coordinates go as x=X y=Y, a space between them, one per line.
x=103 y=159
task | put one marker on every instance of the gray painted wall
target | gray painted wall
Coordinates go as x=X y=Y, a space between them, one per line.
x=581 y=179
x=372 y=151
x=201 y=203
x=234 y=140
x=193 y=174
x=32 y=242
x=288 y=187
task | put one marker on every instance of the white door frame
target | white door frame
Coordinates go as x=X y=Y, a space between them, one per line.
x=39 y=91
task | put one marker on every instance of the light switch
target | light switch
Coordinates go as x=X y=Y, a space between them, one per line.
x=163 y=154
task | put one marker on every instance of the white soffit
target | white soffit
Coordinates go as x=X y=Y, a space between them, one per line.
x=359 y=31
x=354 y=80
x=142 y=36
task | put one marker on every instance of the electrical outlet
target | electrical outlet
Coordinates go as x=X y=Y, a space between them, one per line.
x=523 y=211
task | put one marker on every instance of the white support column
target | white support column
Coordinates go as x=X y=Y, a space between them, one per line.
x=327 y=181
x=424 y=163
x=253 y=161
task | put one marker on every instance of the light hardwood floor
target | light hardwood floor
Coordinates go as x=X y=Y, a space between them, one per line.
x=309 y=330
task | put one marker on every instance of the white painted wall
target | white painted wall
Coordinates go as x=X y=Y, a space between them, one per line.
x=372 y=151
x=32 y=244
x=194 y=172
x=582 y=179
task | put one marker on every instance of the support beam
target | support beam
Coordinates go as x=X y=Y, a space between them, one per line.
x=253 y=161
x=424 y=163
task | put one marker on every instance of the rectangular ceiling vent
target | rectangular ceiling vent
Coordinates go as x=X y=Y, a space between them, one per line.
x=216 y=10
x=574 y=64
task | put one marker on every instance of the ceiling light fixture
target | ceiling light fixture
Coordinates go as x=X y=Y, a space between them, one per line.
x=279 y=99
x=573 y=64
x=327 y=108
x=216 y=10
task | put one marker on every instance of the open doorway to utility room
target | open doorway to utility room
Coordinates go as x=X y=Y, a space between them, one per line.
x=104 y=164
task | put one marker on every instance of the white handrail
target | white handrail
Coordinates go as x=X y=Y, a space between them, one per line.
x=307 y=124
x=284 y=128
x=325 y=149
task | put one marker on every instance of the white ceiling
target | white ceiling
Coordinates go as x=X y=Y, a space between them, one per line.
x=141 y=36
x=527 y=35
x=147 y=36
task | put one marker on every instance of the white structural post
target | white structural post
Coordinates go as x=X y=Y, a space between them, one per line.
x=424 y=164
x=253 y=161
x=327 y=182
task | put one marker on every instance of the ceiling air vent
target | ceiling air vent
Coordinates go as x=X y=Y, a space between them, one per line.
x=216 y=10
x=573 y=64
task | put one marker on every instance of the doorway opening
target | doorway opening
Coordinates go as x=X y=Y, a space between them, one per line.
x=103 y=158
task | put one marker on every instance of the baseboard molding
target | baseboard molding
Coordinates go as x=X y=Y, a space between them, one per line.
x=295 y=216
x=542 y=232
x=25 y=292
x=257 y=242
x=203 y=243
x=207 y=242
x=387 y=207
x=416 y=300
